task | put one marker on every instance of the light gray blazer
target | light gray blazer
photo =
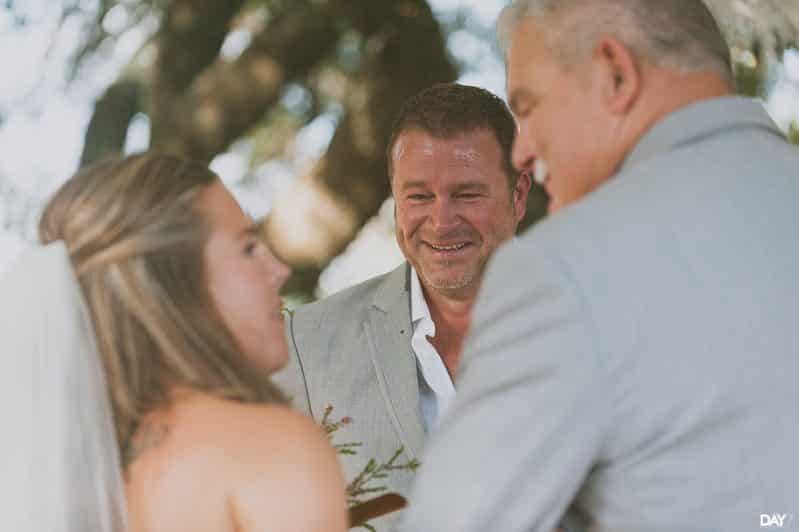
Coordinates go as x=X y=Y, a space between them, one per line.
x=638 y=353
x=352 y=351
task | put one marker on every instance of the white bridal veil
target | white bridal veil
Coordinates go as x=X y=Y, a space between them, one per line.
x=59 y=466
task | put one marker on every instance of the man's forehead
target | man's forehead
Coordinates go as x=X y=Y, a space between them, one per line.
x=473 y=140
x=414 y=139
x=467 y=153
x=529 y=62
x=518 y=59
x=519 y=83
x=477 y=150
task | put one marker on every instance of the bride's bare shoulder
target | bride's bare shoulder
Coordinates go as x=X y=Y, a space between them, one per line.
x=265 y=434
x=229 y=423
x=268 y=462
x=284 y=466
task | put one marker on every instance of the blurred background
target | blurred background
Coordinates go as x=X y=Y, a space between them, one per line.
x=290 y=101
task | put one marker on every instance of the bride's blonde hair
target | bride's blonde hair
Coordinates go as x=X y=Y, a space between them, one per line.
x=136 y=236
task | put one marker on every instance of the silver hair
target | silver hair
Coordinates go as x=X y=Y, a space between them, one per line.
x=680 y=34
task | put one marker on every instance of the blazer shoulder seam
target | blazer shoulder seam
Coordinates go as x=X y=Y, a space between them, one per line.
x=301 y=365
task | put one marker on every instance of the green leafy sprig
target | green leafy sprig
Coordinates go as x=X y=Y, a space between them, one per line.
x=367 y=482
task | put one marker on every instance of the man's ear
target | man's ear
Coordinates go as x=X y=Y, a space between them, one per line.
x=520 y=193
x=619 y=75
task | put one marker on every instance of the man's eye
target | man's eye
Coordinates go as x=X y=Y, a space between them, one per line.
x=418 y=197
x=524 y=108
x=521 y=111
x=469 y=195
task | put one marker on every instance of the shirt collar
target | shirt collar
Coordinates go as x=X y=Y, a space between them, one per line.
x=419 y=308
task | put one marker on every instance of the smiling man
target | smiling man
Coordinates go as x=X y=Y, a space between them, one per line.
x=385 y=352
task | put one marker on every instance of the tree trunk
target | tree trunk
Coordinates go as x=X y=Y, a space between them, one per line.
x=189 y=40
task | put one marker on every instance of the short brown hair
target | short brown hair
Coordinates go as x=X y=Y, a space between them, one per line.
x=136 y=237
x=448 y=109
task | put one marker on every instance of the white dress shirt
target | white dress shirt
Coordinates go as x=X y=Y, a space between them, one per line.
x=435 y=385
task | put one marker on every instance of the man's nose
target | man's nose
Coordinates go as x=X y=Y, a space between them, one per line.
x=444 y=215
x=280 y=271
x=523 y=152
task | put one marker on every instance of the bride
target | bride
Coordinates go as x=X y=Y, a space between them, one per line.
x=136 y=348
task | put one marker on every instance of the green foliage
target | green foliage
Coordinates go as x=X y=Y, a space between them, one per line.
x=749 y=80
x=793 y=133
x=330 y=427
x=367 y=482
x=374 y=471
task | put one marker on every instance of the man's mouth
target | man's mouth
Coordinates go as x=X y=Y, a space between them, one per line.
x=451 y=247
x=449 y=250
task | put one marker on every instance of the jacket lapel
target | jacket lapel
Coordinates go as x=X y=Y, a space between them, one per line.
x=388 y=331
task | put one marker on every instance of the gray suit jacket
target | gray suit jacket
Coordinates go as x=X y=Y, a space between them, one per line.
x=637 y=355
x=352 y=351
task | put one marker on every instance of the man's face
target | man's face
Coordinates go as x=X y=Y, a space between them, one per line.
x=561 y=117
x=454 y=206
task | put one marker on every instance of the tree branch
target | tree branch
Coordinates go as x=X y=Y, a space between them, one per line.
x=108 y=126
x=229 y=98
x=189 y=40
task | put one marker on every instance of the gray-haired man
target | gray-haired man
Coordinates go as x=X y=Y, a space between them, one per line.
x=635 y=357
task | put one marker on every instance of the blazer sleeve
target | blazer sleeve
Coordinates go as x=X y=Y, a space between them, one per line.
x=291 y=379
x=526 y=425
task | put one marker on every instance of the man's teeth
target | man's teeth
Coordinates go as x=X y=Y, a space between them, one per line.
x=540 y=171
x=454 y=247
